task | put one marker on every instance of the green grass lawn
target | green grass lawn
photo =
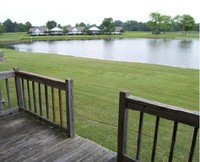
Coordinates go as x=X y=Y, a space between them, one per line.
x=178 y=35
x=97 y=84
x=7 y=38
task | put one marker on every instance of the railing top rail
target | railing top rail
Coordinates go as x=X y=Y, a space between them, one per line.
x=57 y=83
x=7 y=74
x=166 y=111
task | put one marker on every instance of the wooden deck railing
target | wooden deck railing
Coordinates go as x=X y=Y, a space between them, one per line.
x=159 y=110
x=7 y=93
x=47 y=99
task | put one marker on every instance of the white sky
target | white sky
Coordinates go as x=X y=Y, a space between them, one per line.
x=65 y=12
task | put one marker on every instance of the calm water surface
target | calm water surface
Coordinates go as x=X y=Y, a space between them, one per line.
x=170 y=52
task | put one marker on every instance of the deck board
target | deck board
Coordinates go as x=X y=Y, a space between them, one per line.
x=22 y=138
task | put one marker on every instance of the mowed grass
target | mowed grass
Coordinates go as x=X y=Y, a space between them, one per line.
x=97 y=84
x=177 y=35
x=18 y=37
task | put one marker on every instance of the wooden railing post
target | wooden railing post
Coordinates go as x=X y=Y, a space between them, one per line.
x=5 y=98
x=122 y=126
x=18 y=89
x=70 y=107
x=1 y=101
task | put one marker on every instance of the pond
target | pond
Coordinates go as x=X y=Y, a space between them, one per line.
x=170 y=52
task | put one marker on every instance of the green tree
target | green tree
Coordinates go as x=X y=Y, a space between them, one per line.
x=82 y=24
x=196 y=27
x=9 y=25
x=119 y=23
x=166 y=23
x=28 y=25
x=2 y=28
x=51 y=24
x=142 y=26
x=19 y=27
x=108 y=25
x=186 y=22
x=131 y=25
x=65 y=29
x=155 y=23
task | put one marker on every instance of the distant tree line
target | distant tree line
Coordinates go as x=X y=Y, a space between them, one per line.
x=9 y=26
x=161 y=23
x=158 y=23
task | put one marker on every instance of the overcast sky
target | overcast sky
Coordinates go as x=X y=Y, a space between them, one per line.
x=65 y=12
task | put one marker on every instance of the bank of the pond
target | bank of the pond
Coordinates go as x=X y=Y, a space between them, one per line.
x=143 y=80
x=13 y=38
x=97 y=84
x=168 y=52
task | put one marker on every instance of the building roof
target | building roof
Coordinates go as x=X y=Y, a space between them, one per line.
x=41 y=29
x=56 y=29
x=94 y=28
x=71 y=29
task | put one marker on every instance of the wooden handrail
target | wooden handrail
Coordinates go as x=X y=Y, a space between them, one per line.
x=7 y=74
x=56 y=83
x=170 y=112
x=160 y=110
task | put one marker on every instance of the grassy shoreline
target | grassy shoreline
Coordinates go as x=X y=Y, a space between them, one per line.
x=124 y=72
x=97 y=84
x=13 y=38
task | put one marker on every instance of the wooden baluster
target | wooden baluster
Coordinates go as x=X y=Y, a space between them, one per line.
x=29 y=96
x=194 y=139
x=155 y=139
x=23 y=94
x=53 y=104
x=8 y=93
x=1 y=101
x=139 y=141
x=40 y=99
x=34 y=97
x=47 y=101
x=173 y=141
x=60 y=106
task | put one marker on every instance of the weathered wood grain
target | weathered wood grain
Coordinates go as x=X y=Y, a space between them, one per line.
x=8 y=93
x=9 y=111
x=7 y=74
x=53 y=104
x=18 y=89
x=60 y=107
x=70 y=106
x=52 y=82
x=163 y=110
x=47 y=101
x=122 y=126
x=23 y=138
x=96 y=155
x=30 y=97
x=108 y=157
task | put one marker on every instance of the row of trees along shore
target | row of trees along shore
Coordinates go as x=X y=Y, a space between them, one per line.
x=158 y=23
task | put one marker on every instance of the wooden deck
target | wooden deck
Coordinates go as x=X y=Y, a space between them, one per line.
x=22 y=138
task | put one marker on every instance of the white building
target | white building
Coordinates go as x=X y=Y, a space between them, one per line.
x=94 y=30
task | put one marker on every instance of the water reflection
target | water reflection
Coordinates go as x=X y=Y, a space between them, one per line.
x=171 y=52
x=185 y=45
x=108 y=49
